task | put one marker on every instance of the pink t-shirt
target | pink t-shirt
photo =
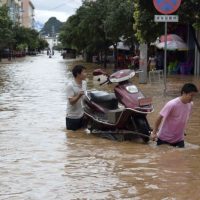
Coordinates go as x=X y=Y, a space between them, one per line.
x=175 y=116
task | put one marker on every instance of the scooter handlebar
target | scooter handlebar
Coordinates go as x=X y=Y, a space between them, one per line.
x=138 y=71
x=107 y=81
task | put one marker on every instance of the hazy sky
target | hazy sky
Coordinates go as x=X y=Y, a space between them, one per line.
x=61 y=9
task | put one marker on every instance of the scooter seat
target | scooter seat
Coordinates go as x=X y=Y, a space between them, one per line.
x=105 y=99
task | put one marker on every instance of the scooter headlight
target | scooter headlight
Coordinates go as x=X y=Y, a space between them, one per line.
x=132 y=89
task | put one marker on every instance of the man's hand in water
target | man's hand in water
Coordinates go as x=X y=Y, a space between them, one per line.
x=153 y=136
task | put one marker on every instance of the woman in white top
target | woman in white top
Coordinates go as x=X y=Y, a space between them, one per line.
x=152 y=63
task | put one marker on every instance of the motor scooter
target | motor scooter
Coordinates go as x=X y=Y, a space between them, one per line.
x=121 y=114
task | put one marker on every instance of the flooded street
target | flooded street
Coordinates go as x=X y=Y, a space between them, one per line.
x=40 y=160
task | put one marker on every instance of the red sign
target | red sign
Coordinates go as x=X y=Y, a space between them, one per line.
x=166 y=6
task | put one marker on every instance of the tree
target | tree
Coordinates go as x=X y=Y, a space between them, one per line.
x=15 y=37
x=6 y=35
x=26 y=36
x=189 y=12
x=144 y=26
x=84 y=30
x=118 y=23
x=42 y=44
x=146 y=30
x=97 y=25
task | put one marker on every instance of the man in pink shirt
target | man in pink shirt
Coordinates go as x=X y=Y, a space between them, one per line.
x=171 y=123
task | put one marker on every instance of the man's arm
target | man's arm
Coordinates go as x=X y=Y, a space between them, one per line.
x=74 y=99
x=156 y=126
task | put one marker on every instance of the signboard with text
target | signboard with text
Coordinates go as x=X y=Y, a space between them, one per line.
x=166 y=7
x=166 y=18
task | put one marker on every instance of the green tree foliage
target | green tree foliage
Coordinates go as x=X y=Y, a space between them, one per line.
x=42 y=44
x=85 y=29
x=119 y=20
x=144 y=26
x=6 y=34
x=26 y=36
x=15 y=37
x=146 y=30
x=189 y=12
x=97 y=25
x=118 y=23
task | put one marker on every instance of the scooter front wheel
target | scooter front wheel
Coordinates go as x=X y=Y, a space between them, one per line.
x=143 y=127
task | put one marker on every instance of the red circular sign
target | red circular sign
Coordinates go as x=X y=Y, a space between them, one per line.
x=166 y=6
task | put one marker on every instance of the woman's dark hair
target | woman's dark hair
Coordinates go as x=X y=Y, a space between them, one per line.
x=189 y=87
x=77 y=70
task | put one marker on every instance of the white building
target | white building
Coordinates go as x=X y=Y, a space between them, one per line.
x=52 y=41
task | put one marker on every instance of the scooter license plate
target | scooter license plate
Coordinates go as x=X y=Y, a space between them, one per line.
x=145 y=101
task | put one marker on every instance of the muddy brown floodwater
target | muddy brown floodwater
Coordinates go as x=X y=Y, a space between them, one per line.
x=40 y=160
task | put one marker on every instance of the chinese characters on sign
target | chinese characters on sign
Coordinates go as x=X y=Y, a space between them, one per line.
x=166 y=18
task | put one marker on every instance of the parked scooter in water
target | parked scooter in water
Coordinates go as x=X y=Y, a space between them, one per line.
x=121 y=113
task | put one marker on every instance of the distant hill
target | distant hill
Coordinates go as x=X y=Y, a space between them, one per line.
x=51 y=27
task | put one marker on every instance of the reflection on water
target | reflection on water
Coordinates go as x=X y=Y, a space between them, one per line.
x=39 y=159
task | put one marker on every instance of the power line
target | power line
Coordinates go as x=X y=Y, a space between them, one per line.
x=60 y=5
x=54 y=8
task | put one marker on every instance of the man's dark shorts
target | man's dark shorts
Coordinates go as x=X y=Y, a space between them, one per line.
x=179 y=144
x=74 y=124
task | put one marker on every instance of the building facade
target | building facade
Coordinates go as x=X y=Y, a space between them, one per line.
x=28 y=13
x=14 y=9
x=21 y=12
x=52 y=41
